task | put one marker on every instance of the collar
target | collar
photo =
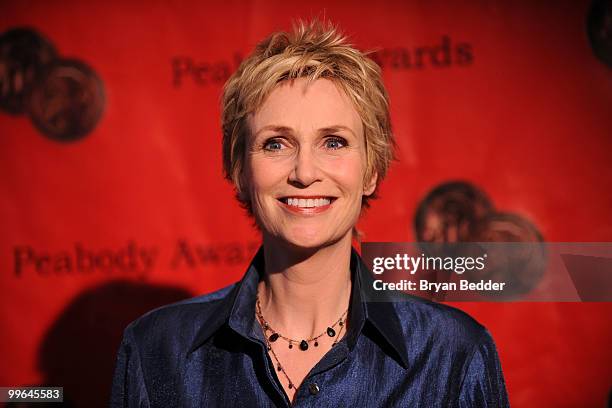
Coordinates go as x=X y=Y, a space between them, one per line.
x=379 y=319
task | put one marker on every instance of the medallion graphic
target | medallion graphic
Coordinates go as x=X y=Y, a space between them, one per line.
x=23 y=55
x=599 y=30
x=64 y=98
x=67 y=101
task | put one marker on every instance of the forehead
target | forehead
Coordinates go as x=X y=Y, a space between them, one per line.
x=305 y=106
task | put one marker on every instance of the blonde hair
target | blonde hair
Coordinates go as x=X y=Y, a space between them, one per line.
x=312 y=50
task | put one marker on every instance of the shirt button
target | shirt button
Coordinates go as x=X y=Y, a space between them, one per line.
x=313 y=388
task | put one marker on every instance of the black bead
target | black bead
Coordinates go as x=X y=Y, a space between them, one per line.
x=331 y=332
x=341 y=323
x=290 y=385
x=303 y=345
x=273 y=337
x=316 y=344
x=278 y=368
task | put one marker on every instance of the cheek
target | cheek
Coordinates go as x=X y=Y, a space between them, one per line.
x=263 y=176
x=348 y=175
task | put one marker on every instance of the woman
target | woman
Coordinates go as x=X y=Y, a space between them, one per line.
x=306 y=142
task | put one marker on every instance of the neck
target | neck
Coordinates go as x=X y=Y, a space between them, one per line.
x=305 y=291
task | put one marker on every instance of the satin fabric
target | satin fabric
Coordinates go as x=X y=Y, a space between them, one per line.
x=209 y=351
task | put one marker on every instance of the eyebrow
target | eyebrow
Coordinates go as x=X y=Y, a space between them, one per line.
x=327 y=129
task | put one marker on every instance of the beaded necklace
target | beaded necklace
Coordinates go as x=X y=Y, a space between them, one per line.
x=303 y=344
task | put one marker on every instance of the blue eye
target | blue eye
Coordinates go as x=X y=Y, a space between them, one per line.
x=273 y=145
x=335 y=143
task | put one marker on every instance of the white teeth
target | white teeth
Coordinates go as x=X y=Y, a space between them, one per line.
x=308 y=202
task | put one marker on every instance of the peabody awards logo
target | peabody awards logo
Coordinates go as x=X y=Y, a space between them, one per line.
x=131 y=258
x=444 y=53
x=64 y=98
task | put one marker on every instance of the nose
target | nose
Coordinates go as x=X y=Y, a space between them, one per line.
x=305 y=170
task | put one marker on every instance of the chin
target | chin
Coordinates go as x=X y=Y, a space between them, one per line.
x=311 y=239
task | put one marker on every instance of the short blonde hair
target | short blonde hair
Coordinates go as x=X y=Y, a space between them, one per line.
x=313 y=50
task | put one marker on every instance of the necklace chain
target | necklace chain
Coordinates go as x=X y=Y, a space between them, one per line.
x=266 y=327
x=276 y=335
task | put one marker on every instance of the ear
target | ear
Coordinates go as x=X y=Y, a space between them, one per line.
x=370 y=185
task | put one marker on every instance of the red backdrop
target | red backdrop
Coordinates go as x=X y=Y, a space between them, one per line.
x=507 y=95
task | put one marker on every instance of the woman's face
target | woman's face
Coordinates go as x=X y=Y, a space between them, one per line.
x=305 y=164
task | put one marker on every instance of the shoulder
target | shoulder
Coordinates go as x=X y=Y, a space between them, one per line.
x=178 y=323
x=154 y=347
x=440 y=325
x=457 y=348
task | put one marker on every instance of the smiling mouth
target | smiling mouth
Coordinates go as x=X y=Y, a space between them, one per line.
x=307 y=202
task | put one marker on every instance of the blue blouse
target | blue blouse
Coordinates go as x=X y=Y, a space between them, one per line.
x=209 y=351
